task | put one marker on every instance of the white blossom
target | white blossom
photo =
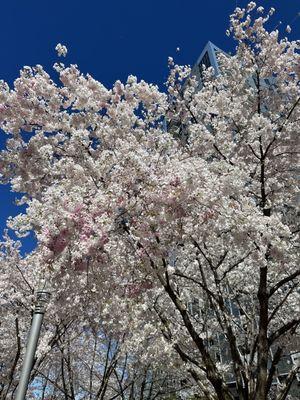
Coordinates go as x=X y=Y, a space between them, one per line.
x=61 y=50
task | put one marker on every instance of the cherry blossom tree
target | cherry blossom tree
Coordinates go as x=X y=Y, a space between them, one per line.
x=77 y=356
x=187 y=242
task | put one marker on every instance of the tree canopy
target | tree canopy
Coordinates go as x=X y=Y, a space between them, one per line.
x=166 y=225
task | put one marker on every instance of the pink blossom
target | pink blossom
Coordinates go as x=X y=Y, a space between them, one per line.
x=77 y=208
x=135 y=289
x=80 y=265
x=175 y=182
x=59 y=242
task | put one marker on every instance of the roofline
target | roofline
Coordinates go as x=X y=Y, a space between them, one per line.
x=211 y=48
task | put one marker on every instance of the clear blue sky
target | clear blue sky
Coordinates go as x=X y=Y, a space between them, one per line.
x=112 y=39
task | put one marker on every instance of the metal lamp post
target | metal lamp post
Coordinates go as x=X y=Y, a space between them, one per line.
x=43 y=298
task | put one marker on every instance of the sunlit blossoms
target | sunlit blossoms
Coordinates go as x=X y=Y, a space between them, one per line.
x=61 y=50
x=166 y=223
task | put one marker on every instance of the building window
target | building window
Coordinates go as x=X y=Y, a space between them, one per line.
x=204 y=61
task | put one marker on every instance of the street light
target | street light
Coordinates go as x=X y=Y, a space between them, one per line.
x=42 y=299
